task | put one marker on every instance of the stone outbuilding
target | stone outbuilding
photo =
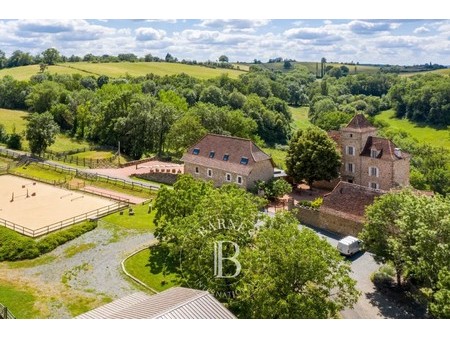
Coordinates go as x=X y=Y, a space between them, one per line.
x=227 y=159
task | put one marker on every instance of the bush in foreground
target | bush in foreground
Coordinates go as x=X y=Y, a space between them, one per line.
x=15 y=247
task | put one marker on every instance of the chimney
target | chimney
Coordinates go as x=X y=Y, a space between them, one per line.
x=398 y=152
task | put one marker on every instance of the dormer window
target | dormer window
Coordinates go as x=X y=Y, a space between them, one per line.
x=225 y=157
x=373 y=153
x=211 y=154
x=244 y=160
x=196 y=151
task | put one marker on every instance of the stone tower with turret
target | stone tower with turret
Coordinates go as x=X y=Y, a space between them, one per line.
x=371 y=161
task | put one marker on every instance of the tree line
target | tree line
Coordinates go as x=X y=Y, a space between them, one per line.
x=154 y=114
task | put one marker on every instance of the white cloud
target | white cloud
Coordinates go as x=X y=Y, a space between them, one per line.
x=149 y=33
x=421 y=30
x=372 y=27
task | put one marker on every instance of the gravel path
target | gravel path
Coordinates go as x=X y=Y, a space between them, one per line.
x=96 y=270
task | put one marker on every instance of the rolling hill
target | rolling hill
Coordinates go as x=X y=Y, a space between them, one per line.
x=122 y=69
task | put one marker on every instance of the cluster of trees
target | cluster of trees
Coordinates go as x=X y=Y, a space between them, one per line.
x=52 y=56
x=305 y=278
x=312 y=156
x=333 y=102
x=412 y=233
x=18 y=58
x=151 y=114
x=423 y=98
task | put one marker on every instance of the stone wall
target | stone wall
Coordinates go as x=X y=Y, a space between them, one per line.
x=262 y=170
x=329 y=220
x=327 y=185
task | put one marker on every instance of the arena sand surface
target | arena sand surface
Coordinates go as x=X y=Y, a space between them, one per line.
x=49 y=205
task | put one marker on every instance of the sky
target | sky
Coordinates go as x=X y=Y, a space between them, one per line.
x=384 y=41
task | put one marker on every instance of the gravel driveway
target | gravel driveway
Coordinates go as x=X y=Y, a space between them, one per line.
x=371 y=304
x=95 y=271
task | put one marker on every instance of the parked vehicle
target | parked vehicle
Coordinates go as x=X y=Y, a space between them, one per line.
x=349 y=245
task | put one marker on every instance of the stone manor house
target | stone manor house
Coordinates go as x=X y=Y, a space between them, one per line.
x=227 y=159
x=368 y=160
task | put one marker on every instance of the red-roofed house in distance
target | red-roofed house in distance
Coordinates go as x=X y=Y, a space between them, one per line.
x=368 y=160
x=227 y=159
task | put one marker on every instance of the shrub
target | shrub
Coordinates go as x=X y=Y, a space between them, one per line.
x=317 y=203
x=14 y=141
x=14 y=246
x=384 y=276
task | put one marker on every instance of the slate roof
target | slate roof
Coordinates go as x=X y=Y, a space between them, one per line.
x=359 y=122
x=234 y=147
x=174 y=303
x=350 y=199
x=384 y=147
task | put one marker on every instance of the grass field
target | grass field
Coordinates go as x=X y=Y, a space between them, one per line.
x=300 y=117
x=421 y=132
x=445 y=71
x=13 y=118
x=65 y=143
x=35 y=171
x=142 y=220
x=152 y=267
x=311 y=66
x=19 y=301
x=122 y=69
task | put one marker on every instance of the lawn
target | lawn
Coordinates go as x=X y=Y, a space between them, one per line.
x=99 y=155
x=153 y=267
x=13 y=118
x=300 y=117
x=421 y=132
x=278 y=156
x=66 y=143
x=32 y=170
x=120 y=69
x=19 y=301
x=141 y=220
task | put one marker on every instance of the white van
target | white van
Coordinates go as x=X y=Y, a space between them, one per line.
x=349 y=245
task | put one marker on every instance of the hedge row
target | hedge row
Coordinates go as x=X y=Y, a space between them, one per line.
x=15 y=247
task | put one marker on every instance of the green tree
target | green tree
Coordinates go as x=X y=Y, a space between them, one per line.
x=41 y=132
x=189 y=223
x=275 y=188
x=440 y=304
x=184 y=133
x=51 y=56
x=312 y=156
x=305 y=277
x=332 y=121
x=412 y=232
x=44 y=95
x=213 y=94
x=223 y=58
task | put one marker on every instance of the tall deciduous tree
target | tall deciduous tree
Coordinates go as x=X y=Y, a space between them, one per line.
x=312 y=156
x=41 y=132
x=184 y=133
x=50 y=56
x=305 y=277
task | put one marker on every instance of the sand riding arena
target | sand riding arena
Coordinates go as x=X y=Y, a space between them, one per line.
x=33 y=208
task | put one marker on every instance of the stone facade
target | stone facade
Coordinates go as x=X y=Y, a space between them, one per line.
x=225 y=159
x=369 y=160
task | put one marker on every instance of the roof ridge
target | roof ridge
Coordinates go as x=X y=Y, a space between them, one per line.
x=200 y=294
x=229 y=136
